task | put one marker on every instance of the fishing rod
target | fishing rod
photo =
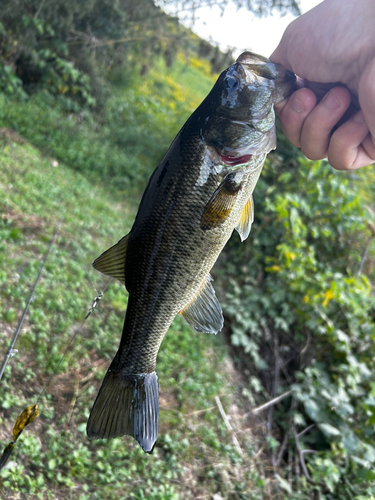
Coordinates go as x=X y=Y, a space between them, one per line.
x=31 y=412
x=11 y=350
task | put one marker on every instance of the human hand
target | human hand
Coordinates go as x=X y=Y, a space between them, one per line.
x=332 y=44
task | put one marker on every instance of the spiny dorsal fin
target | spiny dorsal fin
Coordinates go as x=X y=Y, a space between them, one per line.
x=203 y=313
x=247 y=218
x=112 y=261
x=221 y=202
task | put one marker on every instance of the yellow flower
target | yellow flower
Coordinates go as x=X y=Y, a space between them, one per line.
x=327 y=297
x=273 y=268
x=290 y=256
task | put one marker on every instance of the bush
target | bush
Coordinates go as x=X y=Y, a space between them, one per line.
x=303 y=313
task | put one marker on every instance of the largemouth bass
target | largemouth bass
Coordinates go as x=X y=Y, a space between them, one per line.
x=199 y=193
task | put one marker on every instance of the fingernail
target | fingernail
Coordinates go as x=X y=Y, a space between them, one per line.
x=330 y=101
x=297 y=105
x=359 y=118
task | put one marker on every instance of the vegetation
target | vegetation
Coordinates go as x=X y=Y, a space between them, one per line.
x=73 y=48
x=53 y=458
x=303 y=312
x=83 y=122
x=121 y=145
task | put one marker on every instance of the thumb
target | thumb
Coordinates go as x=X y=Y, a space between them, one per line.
x=280 y=55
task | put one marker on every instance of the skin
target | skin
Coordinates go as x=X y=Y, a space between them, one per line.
x=332 y=114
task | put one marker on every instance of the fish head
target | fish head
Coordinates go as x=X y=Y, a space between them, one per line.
x=241 y=116
x=261 y=72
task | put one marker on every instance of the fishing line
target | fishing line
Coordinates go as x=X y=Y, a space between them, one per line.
x=31 y=412
x=77 y=331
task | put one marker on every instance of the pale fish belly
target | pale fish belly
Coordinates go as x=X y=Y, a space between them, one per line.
x=215 y=239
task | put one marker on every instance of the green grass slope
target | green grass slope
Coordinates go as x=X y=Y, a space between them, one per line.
x=122 y=144
x=195 y=455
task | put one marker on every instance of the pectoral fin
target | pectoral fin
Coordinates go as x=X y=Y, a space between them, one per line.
x=112 y=261
x=203 y=313
x=247 y=218
x=221 y=202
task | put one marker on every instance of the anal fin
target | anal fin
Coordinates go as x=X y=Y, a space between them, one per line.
x=112 y=261
x=247 y=218
x=126 y=404
x=204 y=313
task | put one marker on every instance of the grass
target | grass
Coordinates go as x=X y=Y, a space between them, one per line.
x=194 y=455
x=122 y=145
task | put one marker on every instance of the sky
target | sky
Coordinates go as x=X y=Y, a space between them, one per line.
x=241 y=30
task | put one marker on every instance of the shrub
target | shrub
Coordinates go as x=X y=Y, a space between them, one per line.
x=303 y=313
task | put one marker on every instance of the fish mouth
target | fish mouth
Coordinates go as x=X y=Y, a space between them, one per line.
x=285 y=83
x=269 y=74
x=290 y=76
x=233 y=161
x=290 y=81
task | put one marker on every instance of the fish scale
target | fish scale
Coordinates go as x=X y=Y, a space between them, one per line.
x=199 y=193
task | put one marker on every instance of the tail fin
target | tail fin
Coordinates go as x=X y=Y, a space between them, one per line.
x=126 y=404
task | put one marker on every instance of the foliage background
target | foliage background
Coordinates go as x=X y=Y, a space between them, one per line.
x=91 y=95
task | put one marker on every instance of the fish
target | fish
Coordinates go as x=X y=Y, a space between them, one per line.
x=198 y=194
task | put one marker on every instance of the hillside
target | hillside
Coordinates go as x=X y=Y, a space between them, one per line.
x=53 y=456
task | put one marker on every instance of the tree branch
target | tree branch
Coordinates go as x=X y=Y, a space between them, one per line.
x=228 y=426
x=271 y=402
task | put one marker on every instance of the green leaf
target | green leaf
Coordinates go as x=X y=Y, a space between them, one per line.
x=328 y=430
x=51 y=463
x=312 y=409
x=284 y=484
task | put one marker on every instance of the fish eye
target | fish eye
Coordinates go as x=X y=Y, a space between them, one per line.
x=231 y=82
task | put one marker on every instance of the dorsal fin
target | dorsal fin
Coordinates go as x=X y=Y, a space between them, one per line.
x=247 y=218
x=221 y=202
x=203 y=313
x=112 y=261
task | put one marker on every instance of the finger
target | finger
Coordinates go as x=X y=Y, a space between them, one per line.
x=349 y=113
x=351 y=146
x=292 y=113
x=320 y=89
x=318 y=125
x=366 y=94
x=280 y=54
